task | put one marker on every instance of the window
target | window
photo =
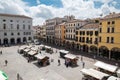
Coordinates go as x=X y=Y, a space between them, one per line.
x=23 y=26
x=83 y=40
x=80 y=39
x=91 y=33
x=4 y=26
x=107 y=40
x=11 y=26
x=17 y=26
x=112 y=30
x=74 y=24
x=83 y=32
x=76 y=39
x=80 y=32
x=113 y=22
x=96 y=33
x=18 y=33
x=87 y=32
x=76 y=32
x=24 y=33
x=99 y=39
x=29 y=27
x=87 y=40
x=100 y=30
x=108 y=22
x=12 y=34
x=112 y=39
x=5 y=34
x=4 y=20
x=11 y=20
x=78 y=24
x=108 y=30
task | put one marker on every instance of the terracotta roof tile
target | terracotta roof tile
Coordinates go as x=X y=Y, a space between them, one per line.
x=90 y=26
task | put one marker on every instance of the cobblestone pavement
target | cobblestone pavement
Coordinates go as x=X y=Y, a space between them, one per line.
x=29 y=71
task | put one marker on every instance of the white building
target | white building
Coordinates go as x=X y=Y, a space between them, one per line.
x=15 y=29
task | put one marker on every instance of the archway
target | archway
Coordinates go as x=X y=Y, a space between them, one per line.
x=115 y=53
x=12 y=41
x=104 y=51
x=24 y=39
x=5 y=41
x=85 y=48
x=18 y=40
x=93 y=49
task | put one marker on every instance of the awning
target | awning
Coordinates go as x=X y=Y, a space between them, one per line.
x=118 y=72
x=39 y=56
x=32 y=52
x=113 y=78
x=42 y=45
x=3 y=76
x=34 y=48
x=94 y=73
x=48 y=47
x=64 y=51
x=105 y=66
x=22 y=47
x=70 y=56
x=27 y=49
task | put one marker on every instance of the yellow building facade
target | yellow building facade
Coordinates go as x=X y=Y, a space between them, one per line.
x=87 y=38
x=109 y=36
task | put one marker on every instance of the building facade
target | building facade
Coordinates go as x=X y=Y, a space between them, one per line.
x=70 y=33
x=87 y=38
x=109 y=36
x=15 y=29
x=60 y=34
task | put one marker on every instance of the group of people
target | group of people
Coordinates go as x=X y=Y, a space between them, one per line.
x=1 y=52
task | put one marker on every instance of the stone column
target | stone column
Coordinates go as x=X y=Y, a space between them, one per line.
x=109 y=54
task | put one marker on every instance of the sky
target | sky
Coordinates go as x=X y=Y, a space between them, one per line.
x=40 y=10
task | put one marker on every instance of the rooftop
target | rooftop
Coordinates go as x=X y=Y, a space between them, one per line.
x=14 y=15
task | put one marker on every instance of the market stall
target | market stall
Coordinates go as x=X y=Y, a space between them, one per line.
x=48 y=49
x=21 y=49
x=31 y=55
x=42 y=47
x=71 y=60
x=93 y=74
x=3 y=76
x=106 y=68
x=63 y=53
x=42 y=60
x=118 y=73
x=113 y=78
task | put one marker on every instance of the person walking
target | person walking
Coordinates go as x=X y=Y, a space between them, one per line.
x=83 y=64
x=18 y=76
x=6 y=62
x=81 y=58
x=58 y=62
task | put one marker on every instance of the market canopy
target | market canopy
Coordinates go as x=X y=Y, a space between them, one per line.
x=70 y=56
x=3 y=76
x=39 y=56
x=64 y=51
x=34 y=48
x=113 y=78
x=94 y=73
x=118 y=72
x=48 y=47
x=105 y=66
x=22 y=47
x=32 y=52
x=26 y=49
x=42 y=45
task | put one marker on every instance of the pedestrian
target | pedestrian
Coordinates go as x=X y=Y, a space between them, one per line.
x=81 y=58
x=94 y=57
x=28 y=60
x=0 y=52
x=83 y=64
x=56 y=50
x=18 y=76
x=58 y=62
x=52 y=60
x=6 y=62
